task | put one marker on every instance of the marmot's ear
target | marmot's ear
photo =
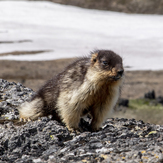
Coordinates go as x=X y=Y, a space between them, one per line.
x=94 y=57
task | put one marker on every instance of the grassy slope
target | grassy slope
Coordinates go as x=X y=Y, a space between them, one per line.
x=143 y=109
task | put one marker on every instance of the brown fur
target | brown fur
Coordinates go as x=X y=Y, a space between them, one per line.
x=91 y=83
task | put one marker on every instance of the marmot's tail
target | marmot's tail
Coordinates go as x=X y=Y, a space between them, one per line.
x=31 y=110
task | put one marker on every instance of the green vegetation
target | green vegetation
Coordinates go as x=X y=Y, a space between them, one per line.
x=144 y=104
x=150 y=111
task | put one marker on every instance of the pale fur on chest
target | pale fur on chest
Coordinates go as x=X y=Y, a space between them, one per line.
x=93 y=94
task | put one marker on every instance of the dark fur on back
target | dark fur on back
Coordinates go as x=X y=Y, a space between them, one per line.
x=49 y=93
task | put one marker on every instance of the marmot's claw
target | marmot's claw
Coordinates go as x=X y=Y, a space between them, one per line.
x=29 y=120
x=24 y=120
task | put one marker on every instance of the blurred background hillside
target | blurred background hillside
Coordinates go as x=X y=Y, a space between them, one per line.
x=128 y=6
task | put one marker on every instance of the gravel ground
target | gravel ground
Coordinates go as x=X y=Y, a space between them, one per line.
x=46 y=140
x=12 y=95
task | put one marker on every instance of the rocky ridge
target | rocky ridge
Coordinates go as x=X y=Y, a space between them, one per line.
x=46 y=140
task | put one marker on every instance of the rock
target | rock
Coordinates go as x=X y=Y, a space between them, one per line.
x=160 y=100
x=11 y=96
x=123 y=102
x=46 y=140
x=150 y=95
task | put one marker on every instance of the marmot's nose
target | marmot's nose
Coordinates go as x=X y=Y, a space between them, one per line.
x=120 y=72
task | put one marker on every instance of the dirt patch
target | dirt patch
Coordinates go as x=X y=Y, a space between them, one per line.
x=11 y=42
x=24 y=52
x=35 y=74
x=139 y=82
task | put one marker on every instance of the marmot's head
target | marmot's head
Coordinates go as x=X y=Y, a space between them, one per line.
x=108 y=64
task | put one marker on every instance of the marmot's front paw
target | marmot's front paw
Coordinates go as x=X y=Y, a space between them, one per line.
x=25 y=120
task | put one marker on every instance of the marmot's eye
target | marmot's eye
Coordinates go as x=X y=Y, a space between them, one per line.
x=105 y=63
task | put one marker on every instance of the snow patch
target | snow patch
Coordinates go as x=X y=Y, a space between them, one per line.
x=69 y=31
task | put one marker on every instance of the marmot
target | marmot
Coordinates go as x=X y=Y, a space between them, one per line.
x=90 y=84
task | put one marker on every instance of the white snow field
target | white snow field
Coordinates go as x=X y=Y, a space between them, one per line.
x=72 y=31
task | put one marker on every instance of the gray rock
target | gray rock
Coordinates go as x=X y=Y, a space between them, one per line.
x=47 y=141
